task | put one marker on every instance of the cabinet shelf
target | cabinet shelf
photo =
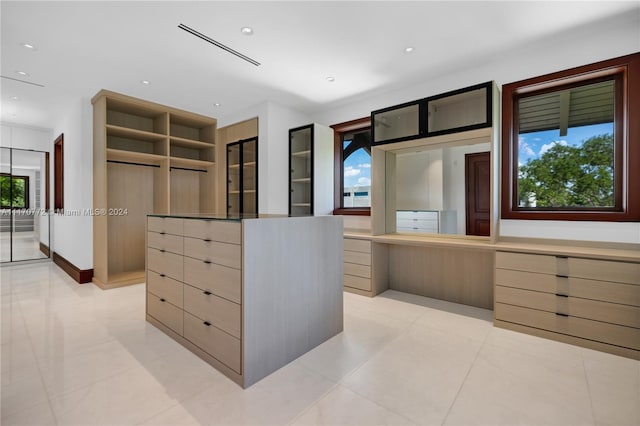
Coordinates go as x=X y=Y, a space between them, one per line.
x=306 y=153
x=134 y=156
x=190 y=143
x=301 y=180
x=189 y=162
x=251 y=164
x=301 y=204
x=141 y=135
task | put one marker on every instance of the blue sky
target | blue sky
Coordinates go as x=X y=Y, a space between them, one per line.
x=357 y=169
x=533 y=145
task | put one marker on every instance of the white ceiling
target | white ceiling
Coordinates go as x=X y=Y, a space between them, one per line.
x=85 y=46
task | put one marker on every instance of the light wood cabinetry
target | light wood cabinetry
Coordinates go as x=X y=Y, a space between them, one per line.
x=587 y=301
x=148 y=158
x=217 y=297
x=242 y=177
x=311 y=170
x=360 y=276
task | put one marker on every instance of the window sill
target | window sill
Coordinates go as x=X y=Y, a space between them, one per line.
x=355 y=211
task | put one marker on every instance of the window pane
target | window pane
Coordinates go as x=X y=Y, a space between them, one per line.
x=566 y=148
x=356 y=154
x=15 y=197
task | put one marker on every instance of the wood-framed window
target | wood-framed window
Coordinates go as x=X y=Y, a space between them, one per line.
x=352 y=167
x=571 y=144
x=58 y=173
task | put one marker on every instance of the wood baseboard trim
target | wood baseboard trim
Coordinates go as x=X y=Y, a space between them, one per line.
x=82 y=276
x=45 y=249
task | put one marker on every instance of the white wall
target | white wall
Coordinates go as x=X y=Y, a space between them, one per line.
x=73 y=233
x=617 y=37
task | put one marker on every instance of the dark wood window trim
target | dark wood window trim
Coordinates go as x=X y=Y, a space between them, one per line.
x=338 y=130
x=627 y=135
x=58 y=176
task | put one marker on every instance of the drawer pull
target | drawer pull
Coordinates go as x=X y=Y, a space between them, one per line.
x=161 y=250
x=207 y=261
x=208 y=293
x=162 y=300
x=162 y=275
x=562 y=257
x=162 y=233
x=207 y=323
x=562 y=315
x=207 y=240
x=562 y=276
x=562 y=295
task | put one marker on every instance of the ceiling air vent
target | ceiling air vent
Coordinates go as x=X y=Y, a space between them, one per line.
x=218 y=44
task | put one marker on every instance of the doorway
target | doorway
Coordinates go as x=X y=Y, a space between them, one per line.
x=478 y=193
x=24 y=209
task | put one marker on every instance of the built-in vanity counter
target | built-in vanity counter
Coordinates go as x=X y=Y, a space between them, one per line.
x=246 y=294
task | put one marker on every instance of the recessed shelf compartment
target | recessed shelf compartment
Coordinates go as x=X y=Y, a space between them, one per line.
x=121 y=113
x=242 y=177
x=191 y=128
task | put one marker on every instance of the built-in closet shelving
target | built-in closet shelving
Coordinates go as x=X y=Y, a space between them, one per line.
x=148 y=158
x=311 y=170
x=238 y=167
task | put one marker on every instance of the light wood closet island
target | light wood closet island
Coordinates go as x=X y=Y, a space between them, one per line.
x=246 y=295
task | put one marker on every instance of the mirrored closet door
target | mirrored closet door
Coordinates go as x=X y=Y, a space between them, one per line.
x=24 y=219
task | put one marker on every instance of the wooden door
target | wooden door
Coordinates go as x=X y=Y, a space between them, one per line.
x=478 y=193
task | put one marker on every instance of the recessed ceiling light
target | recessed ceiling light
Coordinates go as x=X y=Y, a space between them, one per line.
x=408 y=49
x=331 y=79
x=145 y=82
x=23 y=73
x=217 y=104
x=28 y=46
x=15 y=98
x=247 y=30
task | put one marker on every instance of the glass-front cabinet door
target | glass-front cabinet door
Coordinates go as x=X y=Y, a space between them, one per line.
x=301 y=171
x=250 y=176
x=394 y=124
x=242 y=177
x=464 y=109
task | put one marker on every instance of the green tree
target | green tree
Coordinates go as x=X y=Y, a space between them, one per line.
x=570 y=176
x=18 y=191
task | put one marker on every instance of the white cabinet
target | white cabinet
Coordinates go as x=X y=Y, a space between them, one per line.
x=424 y=221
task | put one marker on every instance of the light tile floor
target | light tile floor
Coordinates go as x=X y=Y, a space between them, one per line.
x=76 y=355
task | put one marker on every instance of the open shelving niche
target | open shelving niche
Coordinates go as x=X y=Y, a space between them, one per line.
x=148 y=159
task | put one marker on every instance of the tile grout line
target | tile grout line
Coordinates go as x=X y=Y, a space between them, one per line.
x=466 y=376
x=313 y=404
x=586 y=378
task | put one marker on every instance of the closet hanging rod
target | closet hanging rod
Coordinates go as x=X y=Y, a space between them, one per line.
x=132 y=164
x=187 y=169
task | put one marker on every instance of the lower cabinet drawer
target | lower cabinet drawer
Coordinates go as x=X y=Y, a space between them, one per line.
x=166 y=225
x=626 y=294
x=163 y=262
x=605 y=270
x=357 y=257
x=166 y=242
x=168 y=314
x=352 y=244
x=215 y=230
x=220 y=280
x=544 y=264
x=165 y=287
x=219 y=312
x=619 y=335
x=357 y=270
x=214 y=251
x=220 y=345
x=573 y=306
x=357 y=282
